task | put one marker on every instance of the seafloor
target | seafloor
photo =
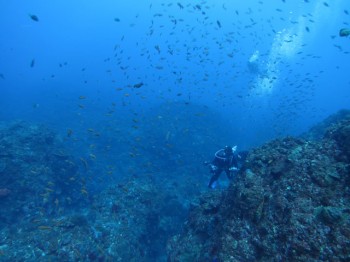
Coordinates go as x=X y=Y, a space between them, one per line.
x=289 y=202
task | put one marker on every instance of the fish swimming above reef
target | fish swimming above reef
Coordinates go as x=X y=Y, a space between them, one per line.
x=344 y=32
x=138 y=85
x=34 y=18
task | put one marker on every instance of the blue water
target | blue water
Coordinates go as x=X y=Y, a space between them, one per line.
x=79 y=49
x=118 y=80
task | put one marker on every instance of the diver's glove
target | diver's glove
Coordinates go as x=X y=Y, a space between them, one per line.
x=234 y=149
x=213 y=168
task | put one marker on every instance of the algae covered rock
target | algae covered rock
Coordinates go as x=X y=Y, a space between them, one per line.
x=36 y=168
x=318 y=131
x=289 y=202
x=340 y=133
x=135 y=219
x=331 y=215
x=129 y=221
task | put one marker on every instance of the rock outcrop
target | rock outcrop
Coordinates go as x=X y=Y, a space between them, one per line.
x=290 y=202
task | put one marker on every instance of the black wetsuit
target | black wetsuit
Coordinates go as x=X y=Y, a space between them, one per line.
x=222 y=162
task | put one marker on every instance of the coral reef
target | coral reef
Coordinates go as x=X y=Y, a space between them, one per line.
x=290 y=202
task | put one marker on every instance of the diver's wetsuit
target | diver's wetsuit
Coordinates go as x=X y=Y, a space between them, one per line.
x=223 y=162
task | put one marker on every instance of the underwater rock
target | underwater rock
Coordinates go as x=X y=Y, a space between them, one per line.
x=130 y=221
x=329 y=215
x=289 y=201
x=340 y=133
x=30 y=168
x=136 y=218
x=210 y=203
x=318 y=131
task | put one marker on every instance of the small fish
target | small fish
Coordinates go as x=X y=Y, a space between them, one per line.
x=307 y=29
x=157 y=48
x=84 y=192
x=34 y=18
x=2 y=76
x=48 y=228
x=180 y=5
x=138 y=85
x=69 y=132
x=116 y=19
x=218 y=23
x=344 y=32
x=326 y=4
x=131 y=154
x=32 y=63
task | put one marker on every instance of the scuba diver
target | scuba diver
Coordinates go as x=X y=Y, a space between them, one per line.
x=225 y=159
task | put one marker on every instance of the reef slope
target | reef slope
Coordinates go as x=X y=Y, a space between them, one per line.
x=290 y=202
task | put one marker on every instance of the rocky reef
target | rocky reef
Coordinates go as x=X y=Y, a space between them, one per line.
x=290 y=202
x=137 y=219
x=131 y=221
x=318 y=131
x=49 y=214
x=36 y=173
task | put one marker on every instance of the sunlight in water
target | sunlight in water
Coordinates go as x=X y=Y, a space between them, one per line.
x=286 y=44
